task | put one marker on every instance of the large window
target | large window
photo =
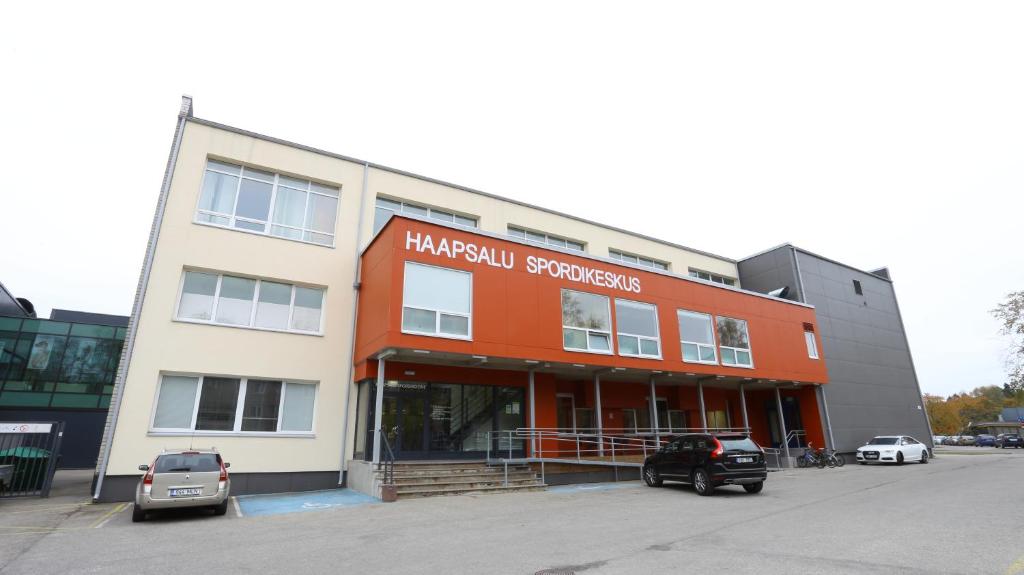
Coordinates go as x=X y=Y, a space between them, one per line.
x=387 y=208
x=267 y=203
x=638 y=260
x=547 y=239
x=245 y=302
x=233 y=405
x=697 y=337
x=734 y=342
x=707 y=276
x=586 y=322
x=437 y=301
x=636 y=326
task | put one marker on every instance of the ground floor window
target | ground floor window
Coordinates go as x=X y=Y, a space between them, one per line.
x=424 y=420
x=189 y=403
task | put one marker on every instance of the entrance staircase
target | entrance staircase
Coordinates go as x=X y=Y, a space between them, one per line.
x=427 y=479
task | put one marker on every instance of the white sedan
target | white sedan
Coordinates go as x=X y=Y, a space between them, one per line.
x=892 y=449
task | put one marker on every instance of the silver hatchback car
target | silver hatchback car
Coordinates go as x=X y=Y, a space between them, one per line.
x=186 y=478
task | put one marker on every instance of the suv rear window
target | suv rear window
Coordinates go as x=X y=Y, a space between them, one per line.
x=187 y=462
x=738 y=443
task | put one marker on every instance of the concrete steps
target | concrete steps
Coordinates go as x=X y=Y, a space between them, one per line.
x=413 y=480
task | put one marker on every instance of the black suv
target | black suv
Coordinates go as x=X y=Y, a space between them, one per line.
x=1009 y=440
x=706 y=461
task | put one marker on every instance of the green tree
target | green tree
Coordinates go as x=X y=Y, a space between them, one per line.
x=1011 y=318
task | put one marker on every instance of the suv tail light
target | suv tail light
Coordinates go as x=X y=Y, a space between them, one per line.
x=719 y=450
x=147 y=480
x=223 y=475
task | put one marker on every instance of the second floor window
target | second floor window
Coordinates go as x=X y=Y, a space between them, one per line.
x=734 y=342
x=636 y=325
x=437 y=301
x=387 y=208
x=812 y=345
x=267 y=203
x=586 y=322
x=547 y=239
x=247 y=302
x=707 y=276
x=698 y=338
x=638 y=260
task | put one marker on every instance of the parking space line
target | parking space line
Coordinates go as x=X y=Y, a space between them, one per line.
x=238 y=508
x=108 y=515
x=47 y=508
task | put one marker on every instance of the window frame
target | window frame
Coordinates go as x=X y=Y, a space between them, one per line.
x=712 y=277
x=749 y=350
x=547 y=239
x=255 y=303
x=621 y=256
x=812 y=345
x=714 y=338
x=430 y=212
x=275 y=184
x=657 y=327
x=438 y=312
x=612 y=343
x=236 y=429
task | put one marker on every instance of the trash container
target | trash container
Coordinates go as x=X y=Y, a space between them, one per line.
x=30 y=466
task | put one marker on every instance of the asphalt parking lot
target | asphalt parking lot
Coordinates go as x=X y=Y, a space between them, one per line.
x=958 y=514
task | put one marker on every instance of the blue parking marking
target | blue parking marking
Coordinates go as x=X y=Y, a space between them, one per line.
x=584 y=487
x=281 y=503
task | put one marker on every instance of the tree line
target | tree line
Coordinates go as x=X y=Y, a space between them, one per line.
x=954 y=415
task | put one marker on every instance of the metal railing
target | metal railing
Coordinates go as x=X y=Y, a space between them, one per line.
x=28 y=457
x=583 y=446
x=388 y=463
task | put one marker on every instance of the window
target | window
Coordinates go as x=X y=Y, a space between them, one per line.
x=586 y=322
x=637 y=260
x=245 y=302
x=857 y=288
x=717 y=419
x=707 y=276
x=734 y=342
x=206 y=403
x=247 y=199
x=547 y=239
x=637 y=328
x=697 y=337
x=387 y=208
x=437 y=301
x=812 y=345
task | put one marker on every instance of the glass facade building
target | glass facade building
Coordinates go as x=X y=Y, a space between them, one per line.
x=46 y=364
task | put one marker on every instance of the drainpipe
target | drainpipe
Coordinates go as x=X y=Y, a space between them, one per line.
x=703 y=410
x=782 y=423
x=743 y=406
x=533 y=417
x=597 y=409
x=352 y=330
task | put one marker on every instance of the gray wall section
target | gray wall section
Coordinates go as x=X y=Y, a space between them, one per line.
x=770 y=271
x=122 y=487
x=82 y=432
x=873 y=388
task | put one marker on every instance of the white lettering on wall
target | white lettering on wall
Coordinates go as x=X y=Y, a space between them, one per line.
x=472 y=253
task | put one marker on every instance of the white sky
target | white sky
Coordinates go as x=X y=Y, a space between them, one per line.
x=884 y=133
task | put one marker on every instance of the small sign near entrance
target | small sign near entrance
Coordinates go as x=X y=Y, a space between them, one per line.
x=25 y=427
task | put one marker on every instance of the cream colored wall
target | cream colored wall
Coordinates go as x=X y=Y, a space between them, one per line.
x=164 y=345
x=496 y=215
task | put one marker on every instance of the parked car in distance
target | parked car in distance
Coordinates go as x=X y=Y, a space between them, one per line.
x=707 y=461
x=985 y=440
x=938 y=439
x=892 y=449
x=951 y=440
x=1005 y=440
x=185 y=478
x=965 y=440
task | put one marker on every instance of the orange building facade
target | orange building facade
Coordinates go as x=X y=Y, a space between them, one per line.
x=470 y=336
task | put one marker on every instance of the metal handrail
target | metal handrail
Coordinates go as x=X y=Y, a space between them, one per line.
x=389 y=459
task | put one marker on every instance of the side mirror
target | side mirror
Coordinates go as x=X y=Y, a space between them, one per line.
x=143 y=468
x=226 y=465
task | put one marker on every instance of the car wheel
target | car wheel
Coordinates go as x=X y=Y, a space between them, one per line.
x=754 y=487
x=222 y=508
x=651 y=476
x=702 y=483
x=899 y=458
x=924 y=456
x=138 y=514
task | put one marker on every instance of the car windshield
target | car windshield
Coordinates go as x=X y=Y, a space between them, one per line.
x=187 y=462
x=738 y=444
x=883 y=441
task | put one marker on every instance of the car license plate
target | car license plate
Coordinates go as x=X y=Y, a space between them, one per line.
x=744 y=460
x=870 y=456
x=187 y=492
